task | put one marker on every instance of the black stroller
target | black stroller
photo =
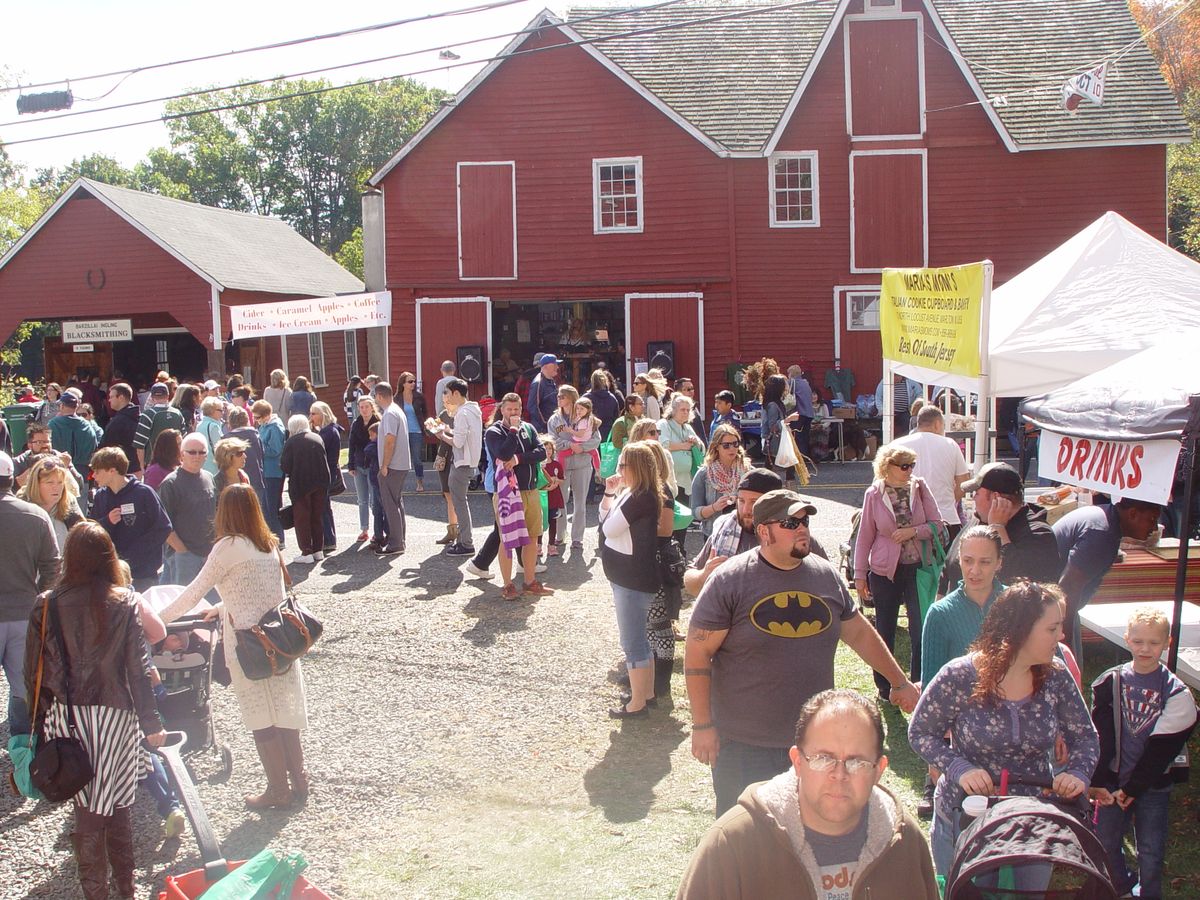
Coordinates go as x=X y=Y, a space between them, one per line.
x=187 y=676
x=1024 y=847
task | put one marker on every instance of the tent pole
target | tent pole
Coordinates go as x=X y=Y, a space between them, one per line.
x=1181 y=567
x=983 y=415
x=889 y=402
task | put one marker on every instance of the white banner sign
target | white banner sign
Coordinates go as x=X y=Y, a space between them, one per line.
x=97 y=330
x=306 y=316
x=1140 y=469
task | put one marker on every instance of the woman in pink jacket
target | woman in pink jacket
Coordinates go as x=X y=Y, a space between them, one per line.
x=898 y=518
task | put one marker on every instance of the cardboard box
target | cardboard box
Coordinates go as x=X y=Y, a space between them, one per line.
x=844 y=412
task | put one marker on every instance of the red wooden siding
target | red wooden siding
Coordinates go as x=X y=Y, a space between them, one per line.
x=668 y=319
x=884 y=77
x=444 y=328
x=486 y=221
x=889 y=225
x=334 y=347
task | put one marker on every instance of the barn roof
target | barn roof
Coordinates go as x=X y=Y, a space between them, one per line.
x=733 y=77
x=227 y=248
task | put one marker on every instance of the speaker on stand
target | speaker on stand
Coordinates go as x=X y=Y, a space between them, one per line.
x=470 y=364
x=661 y=356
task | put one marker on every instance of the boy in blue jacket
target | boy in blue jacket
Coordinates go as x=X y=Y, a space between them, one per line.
x=131 y=514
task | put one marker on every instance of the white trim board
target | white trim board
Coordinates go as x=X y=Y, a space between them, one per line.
x=885 y=17
x=772 y=221
x=422 y=301
x=699 y=298
x=924 y=154
x=458 y=219
x=638 y=172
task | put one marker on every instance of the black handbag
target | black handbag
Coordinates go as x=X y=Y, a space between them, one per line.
x=60 y=767
x=287 y=517
x=337 y=484
x=282 y=636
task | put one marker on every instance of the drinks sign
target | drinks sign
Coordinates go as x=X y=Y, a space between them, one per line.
x=306 y=316
x=1140 y=469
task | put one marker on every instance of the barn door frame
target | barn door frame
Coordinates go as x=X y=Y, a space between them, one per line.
x=487 y=301
x=698 y=296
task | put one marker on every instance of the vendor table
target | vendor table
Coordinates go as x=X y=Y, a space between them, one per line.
x=1109 y=619
x=1142 y=576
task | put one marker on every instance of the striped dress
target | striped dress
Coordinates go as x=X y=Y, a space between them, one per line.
x=111 y=737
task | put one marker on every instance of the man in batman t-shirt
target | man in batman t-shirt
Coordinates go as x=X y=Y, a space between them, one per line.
x=762 y=640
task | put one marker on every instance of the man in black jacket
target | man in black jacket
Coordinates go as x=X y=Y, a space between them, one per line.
x=1028 y=546
x=122 y=426
x=516 y=444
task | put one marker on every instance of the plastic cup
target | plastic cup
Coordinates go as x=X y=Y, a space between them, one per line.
x=975 y=805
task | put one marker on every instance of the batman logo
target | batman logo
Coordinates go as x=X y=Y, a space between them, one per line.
x=791 y=614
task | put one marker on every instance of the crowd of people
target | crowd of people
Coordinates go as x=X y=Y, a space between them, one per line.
x=196 y=485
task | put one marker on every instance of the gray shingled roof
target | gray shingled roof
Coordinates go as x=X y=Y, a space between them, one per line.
x=733 y=79
x=234 y=249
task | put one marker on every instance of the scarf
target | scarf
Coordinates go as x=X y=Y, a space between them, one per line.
x=723 y=479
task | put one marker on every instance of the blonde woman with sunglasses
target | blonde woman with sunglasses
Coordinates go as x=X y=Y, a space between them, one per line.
x=714 y=487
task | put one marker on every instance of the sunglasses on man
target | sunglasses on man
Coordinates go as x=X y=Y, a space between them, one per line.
x=791 y=523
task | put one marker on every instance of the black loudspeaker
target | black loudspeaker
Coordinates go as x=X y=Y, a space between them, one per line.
x=470 y=364
x=661 y=356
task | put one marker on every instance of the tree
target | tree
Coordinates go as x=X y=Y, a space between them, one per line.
x=350 y=254
x=1175 y=44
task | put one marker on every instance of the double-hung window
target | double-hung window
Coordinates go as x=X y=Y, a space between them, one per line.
x=351 y=338
x=617 y=195
x=795 y=196
x=316 y=359
x=862 y=310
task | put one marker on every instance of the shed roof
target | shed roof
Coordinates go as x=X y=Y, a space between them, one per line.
x=734 y=77
x=227 y=248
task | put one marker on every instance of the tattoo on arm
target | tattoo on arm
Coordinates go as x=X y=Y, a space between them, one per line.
x=700 y=635
x=703 y=673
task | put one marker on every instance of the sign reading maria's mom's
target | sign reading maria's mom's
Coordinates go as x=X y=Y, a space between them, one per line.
x=306 y=316
x=92 y=330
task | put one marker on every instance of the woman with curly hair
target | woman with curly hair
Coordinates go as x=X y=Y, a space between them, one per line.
x=1004 y=705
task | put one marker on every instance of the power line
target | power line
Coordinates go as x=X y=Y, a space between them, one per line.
x=318 y=71
x=519 y=53
x=381 y=26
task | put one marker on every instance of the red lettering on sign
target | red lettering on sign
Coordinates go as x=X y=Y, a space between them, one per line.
x=1065 y=447
x=1082 y=449
x=1118 y=475
x=1135 y=471
x=1105 y=469
x=1096 y=459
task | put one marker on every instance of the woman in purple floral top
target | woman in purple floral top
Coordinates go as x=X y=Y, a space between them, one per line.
x=1004 y=704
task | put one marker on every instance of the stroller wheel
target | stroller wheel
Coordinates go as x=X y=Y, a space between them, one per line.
x=227 y=759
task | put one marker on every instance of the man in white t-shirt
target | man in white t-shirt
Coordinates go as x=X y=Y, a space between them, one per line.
x=448 y=370
x=940 y=464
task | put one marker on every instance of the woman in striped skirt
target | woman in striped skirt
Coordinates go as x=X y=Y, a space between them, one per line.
x=95 y=672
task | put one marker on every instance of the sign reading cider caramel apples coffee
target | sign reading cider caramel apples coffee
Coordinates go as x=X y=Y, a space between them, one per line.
x=1139 y=469
x=305 y=316
x=930 y=317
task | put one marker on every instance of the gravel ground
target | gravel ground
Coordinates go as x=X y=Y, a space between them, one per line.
x=427 y=695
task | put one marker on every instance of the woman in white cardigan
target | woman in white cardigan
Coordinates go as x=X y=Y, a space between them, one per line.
x=247 y=570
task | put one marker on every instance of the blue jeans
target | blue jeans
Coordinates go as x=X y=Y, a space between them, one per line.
x=12 y=657
x=362 y=493
x=274 y=491
x=416 y=449
x=327 y=528
x=182 y=568
x=157 y=786
x=740 y=765
x=1148 y=815
x=632 y=609
x=380 y=532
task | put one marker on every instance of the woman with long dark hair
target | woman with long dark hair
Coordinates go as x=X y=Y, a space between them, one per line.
x=187 y=401
x=246 y=567
x=1004 y=704
x=415 y=409
x=165 y=459
x=775 y=419
x=95 y=686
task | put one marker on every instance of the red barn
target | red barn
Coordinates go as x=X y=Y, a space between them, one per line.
x=168 y=271
x=731 y=180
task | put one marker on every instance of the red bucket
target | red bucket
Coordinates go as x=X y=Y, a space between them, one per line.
x=192 y=884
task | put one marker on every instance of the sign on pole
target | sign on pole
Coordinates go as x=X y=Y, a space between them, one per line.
x=93 y=330
x=930 y=318
x=1143 y=470
x=306 y=316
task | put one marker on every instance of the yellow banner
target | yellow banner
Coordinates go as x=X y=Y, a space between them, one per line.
x=930 y=317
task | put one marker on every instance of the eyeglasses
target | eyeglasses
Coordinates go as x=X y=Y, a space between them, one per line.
x=904 y=467
x=854 y=765
x=196 y=452
x=791 y=523
x=729 y=445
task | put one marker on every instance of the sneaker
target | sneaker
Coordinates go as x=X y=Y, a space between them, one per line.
x=477 y=572
x=576 y=545
x=388 y=551
x=537 y=589
x=539 y=568
x=510 y=592
x=174 y=823
x=362 y=537
x=318 y=555
x=925 y=804
x=457 y=549
x=420 y=487
x=552 y=550
x=305 y=559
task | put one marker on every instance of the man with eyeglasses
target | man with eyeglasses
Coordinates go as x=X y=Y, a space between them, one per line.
x=761 y=642
x=190 y=499
x=823 y=828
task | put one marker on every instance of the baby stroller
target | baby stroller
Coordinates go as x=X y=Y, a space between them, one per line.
x=1024 y=847
x=186 y=669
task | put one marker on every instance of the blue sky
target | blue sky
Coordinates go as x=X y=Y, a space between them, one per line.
x=57 y=40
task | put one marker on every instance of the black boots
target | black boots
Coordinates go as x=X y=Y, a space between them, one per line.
x=91 y=863
x=269 y=742
x=119 y=842
x=662 y=679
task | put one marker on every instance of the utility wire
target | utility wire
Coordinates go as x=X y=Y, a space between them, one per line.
x=687 y=23
x=362 y=62
x=381 y=26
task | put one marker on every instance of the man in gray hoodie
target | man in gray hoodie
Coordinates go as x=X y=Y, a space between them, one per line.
x=466 y=437
x=31 y=565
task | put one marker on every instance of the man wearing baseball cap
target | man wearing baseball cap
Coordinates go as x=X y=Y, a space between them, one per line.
x=761 y=642
x=71 y=433
x=1028 y=547
x=543 y=392
x=30 y=565
x=158 y=416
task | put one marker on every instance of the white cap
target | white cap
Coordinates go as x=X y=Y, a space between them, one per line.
x=6 y=465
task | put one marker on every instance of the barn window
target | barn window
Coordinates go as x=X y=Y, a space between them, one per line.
x=883 y=6
x=162 y=359
x=617 y=194
x=316 y=360
x=795 y=197
x=351 y=338
x=862 y=310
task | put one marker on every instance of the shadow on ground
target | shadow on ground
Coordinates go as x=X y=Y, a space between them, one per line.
x=638 y=758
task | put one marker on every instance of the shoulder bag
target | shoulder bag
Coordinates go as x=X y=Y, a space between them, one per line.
x=282 y=636
x=60 y=767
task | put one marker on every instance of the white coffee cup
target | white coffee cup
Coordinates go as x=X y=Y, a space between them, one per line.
x=975 y=805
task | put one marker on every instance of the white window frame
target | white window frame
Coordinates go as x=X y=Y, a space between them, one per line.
x=850 y=297
x=840 y=309
x=855 y=268
x=350 y=337
x=316 y=361
x=815 y=221
x=875 y=16
x=881 y=6
x=597 y=227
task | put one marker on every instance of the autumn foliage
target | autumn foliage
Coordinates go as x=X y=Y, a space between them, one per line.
x=1175 y=44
